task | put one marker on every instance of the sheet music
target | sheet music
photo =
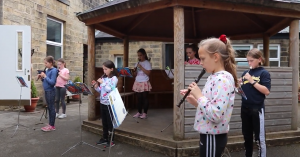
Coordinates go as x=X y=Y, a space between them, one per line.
x=169 y=74
x=117 y=107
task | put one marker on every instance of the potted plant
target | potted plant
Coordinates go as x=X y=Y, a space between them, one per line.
x=34 y=99
x=76 y=79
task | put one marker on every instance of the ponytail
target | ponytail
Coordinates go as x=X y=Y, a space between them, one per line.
x=229 y=63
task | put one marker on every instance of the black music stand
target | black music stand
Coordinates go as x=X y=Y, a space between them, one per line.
x=171 y=77
x=22 y=84
x=79 y=89
x=125 y=72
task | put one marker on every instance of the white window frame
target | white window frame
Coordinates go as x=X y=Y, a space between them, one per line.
x=116 y=59
x=17 y=49
x=57 y=43
x=259 y=46
x=242 y=59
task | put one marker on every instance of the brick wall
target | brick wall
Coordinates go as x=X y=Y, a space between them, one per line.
x=35 y=12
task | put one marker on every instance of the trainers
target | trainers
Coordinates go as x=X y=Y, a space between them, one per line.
x=143 y=116
x=48 y=128
x=111 y=145
x=62 y=116
x=102 y=141
x=137 y=115
x=56 y=115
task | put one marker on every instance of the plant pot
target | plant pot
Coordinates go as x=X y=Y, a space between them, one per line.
x=75 y=97
x=31 y=108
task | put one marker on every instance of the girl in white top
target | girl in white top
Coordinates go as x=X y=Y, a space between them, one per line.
x=215 y=103
x=142 y=85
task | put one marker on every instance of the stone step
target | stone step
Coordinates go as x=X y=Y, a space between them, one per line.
x=189 y=147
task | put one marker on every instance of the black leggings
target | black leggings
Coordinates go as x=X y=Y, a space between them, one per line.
x=143 y=101
x=212 y=145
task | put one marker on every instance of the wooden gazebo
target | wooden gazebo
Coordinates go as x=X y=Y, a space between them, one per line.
x=189 y=21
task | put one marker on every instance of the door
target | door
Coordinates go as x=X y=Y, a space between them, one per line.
x=15 y=55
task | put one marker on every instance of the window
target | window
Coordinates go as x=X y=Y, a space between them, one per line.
x=119 y=61
x=274 y=50
x=54 y=38
x=241 y=52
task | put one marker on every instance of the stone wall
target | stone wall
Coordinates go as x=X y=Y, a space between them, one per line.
x=109 y=50
x=1 y=11
x=35 y=12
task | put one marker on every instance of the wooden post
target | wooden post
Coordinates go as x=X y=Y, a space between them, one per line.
x=126 y=51
x=91 y=71
x=178 y=113
x=266 y=50
x=294 y=63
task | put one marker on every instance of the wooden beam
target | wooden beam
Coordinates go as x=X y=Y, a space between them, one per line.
x=236 y=7
x=153 y=38
x=91 y=71
x=137 y=21
x=194 y=22
x=129 y=12
x=266 y=43
x=178 y=113
x=109 y=30
x=279 y=26
x=245 y=36
x=254 y=20
x=294 y=63
x=126 y=51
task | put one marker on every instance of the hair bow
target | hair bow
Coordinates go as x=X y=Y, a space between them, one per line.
x=223 y=38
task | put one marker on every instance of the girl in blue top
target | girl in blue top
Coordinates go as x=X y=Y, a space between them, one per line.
x=49 y=80
x=104 y=86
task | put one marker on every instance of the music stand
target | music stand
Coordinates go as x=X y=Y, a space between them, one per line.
x=79 y=89
x=125 y=72
x=22 y=84
x=171 y=77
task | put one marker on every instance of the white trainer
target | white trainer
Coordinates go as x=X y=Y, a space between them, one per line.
x=62 y=116
x=56 y=115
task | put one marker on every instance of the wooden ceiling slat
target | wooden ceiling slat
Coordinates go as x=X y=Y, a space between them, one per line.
x=279 y=26
x=109 y=30
x=236 y=7
x=129 y=12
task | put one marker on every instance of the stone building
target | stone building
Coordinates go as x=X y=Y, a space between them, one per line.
x=55 y=30
x=161 y=53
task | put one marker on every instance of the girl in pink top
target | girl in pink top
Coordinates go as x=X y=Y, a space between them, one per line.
x=60 y=90
x=192 y=53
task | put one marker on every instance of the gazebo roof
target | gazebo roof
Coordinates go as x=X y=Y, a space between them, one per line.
x=153 y=19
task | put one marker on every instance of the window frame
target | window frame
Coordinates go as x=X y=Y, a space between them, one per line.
x=52 y=43
x=278 y=52
x=242 y=59
x=116 y=60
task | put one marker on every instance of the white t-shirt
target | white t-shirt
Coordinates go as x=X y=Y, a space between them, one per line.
x=141 y=76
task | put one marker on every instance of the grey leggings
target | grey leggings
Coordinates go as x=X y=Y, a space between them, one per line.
x=60 y=98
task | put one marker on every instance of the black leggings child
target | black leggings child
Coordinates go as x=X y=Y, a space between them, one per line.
x=143 y=101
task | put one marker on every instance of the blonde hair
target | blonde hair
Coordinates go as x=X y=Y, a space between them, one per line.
x=225 y=50
x=257 y=54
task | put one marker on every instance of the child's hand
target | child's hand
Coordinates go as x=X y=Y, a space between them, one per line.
x=195 y=90
x=95 y=84
x=190 y=98
x=43 y=75
x=240 y=81
x=100 y=80
x=185 y=63
x=248 y=77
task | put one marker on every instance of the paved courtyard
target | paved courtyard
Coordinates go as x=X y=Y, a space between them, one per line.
x=32 y=142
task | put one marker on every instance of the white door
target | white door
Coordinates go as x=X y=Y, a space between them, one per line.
x=15 y=55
